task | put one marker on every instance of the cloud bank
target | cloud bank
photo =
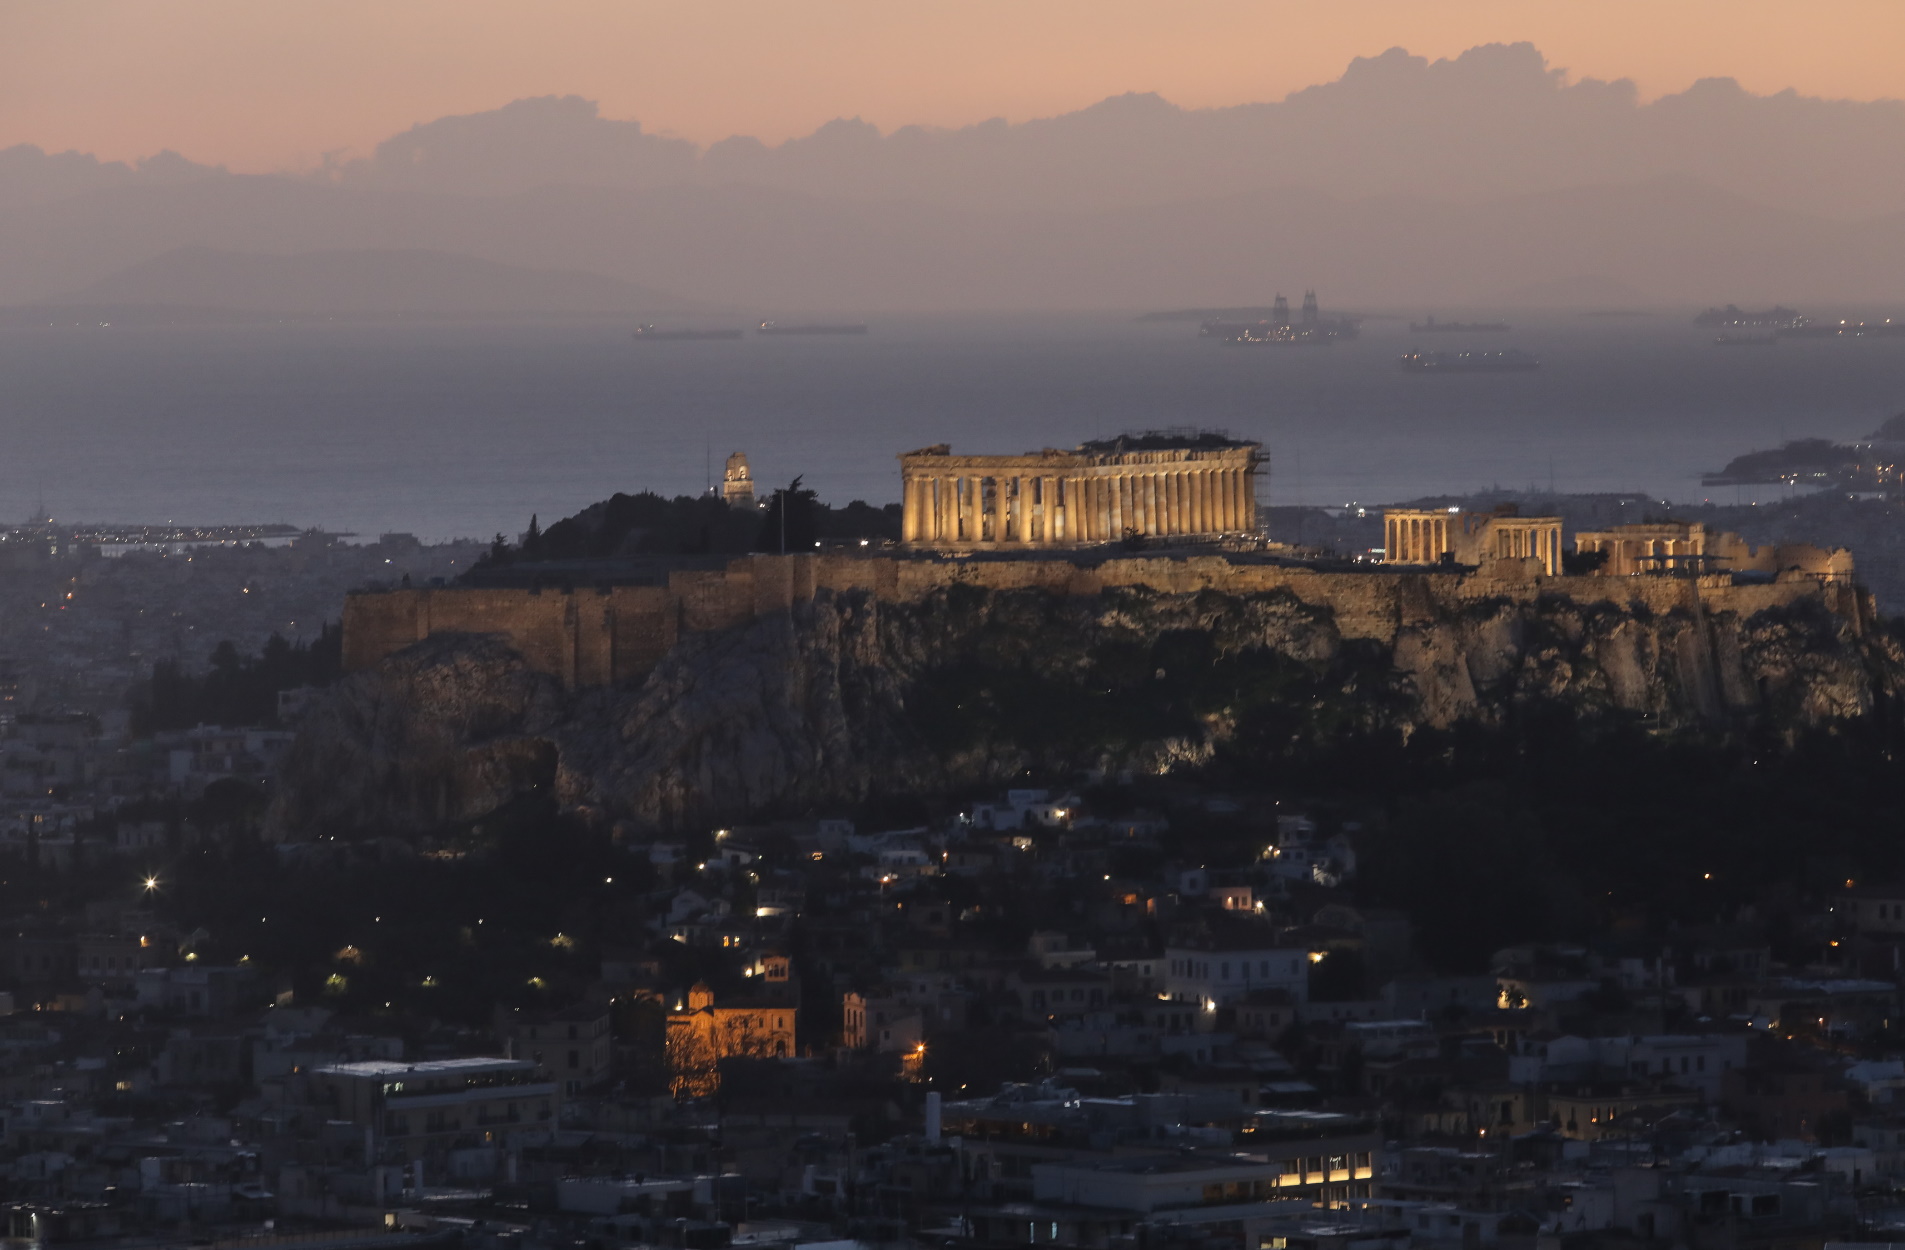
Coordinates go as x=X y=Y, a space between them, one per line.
x=1405 y=180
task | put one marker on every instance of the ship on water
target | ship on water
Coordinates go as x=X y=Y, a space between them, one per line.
x=1806 y=328
x=774 y=327
x=1510 y=360
x=1310 y=329
x=1736 y=318
x=1432 y=326
x=655 y=332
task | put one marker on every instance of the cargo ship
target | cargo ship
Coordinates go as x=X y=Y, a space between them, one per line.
x=1805 y=328
x=653 y=332
x=1508 y=361
x=1312 y=328
x=1432 y=326
x=773 y=327
x=1735 y=317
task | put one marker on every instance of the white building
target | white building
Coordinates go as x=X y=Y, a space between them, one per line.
x=1217 y=974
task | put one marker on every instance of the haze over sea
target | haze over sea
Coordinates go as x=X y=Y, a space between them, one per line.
x=465 y=429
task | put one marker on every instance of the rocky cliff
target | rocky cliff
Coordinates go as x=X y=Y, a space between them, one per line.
x=848 y=697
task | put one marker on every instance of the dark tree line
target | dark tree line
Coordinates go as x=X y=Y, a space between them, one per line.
x=236 y=689
x=649 y=524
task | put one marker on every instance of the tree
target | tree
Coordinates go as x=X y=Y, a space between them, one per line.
x=236 y=689
x=792 y=522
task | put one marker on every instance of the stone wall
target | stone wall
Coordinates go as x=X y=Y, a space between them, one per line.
x=591 y=637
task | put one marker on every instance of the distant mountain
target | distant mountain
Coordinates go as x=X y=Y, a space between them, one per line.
x=745 y=246
x=406 y=280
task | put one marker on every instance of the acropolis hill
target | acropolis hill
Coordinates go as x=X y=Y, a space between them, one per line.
x=616 y=633
x=1010 y=633
x=1056 y=521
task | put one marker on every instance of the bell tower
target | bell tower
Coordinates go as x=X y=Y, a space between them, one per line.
x=737 y=484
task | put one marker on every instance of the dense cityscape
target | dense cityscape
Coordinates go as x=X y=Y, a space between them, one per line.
x=1108 y=1007
x=952 y=626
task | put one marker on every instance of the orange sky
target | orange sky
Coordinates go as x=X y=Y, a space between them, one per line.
x=264 y=84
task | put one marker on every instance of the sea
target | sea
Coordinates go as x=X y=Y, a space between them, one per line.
x=466 y=429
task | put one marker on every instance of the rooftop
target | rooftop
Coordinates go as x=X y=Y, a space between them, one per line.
x=427 y=1067
x=1167 y=439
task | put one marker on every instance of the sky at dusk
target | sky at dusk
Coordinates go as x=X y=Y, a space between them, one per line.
x=264 y=86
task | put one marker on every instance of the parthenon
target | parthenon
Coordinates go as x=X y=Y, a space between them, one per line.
x=1191 y=485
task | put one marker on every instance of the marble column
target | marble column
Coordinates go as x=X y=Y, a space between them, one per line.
x=1178 y=510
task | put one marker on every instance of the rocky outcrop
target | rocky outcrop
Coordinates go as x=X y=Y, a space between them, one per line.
x=442 y=733
x=847 y=697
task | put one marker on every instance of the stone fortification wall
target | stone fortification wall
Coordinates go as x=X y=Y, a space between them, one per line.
x=591 y=637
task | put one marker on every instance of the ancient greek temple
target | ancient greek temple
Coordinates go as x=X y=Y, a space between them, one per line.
x=1186 y=485
x=1428 y=535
